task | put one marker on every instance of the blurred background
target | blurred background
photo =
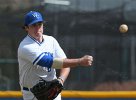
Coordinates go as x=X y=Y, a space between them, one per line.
x=81 y=27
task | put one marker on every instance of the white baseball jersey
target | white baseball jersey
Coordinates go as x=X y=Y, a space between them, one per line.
x=30 y=52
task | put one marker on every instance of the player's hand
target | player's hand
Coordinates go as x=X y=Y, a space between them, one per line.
x=60 y=80
x=86 y=60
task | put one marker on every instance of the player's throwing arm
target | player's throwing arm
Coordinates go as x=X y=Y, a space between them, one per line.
x=64 y=63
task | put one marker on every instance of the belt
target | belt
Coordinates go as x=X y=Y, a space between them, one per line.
x=25 y=88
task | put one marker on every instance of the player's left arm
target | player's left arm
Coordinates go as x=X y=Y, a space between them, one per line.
x=64 y=72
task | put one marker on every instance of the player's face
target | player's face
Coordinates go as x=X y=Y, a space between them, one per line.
x=36 y=30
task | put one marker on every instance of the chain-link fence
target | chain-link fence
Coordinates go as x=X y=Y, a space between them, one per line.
x=80 y=29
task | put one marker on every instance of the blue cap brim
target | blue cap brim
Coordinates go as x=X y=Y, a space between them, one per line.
x=36 y=21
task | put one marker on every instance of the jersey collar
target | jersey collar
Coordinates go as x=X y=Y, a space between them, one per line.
x=39 y=43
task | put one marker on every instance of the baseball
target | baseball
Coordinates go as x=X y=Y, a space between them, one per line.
x=123 y=28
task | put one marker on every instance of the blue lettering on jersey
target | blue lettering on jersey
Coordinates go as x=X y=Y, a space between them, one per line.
x=45 y=60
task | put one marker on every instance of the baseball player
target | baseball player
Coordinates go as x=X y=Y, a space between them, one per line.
x=39 y=55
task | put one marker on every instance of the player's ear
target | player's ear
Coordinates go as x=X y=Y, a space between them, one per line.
x=25 y=28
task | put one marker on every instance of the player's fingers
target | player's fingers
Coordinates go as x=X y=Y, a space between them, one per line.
x=90 y=63
x=90 y=58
